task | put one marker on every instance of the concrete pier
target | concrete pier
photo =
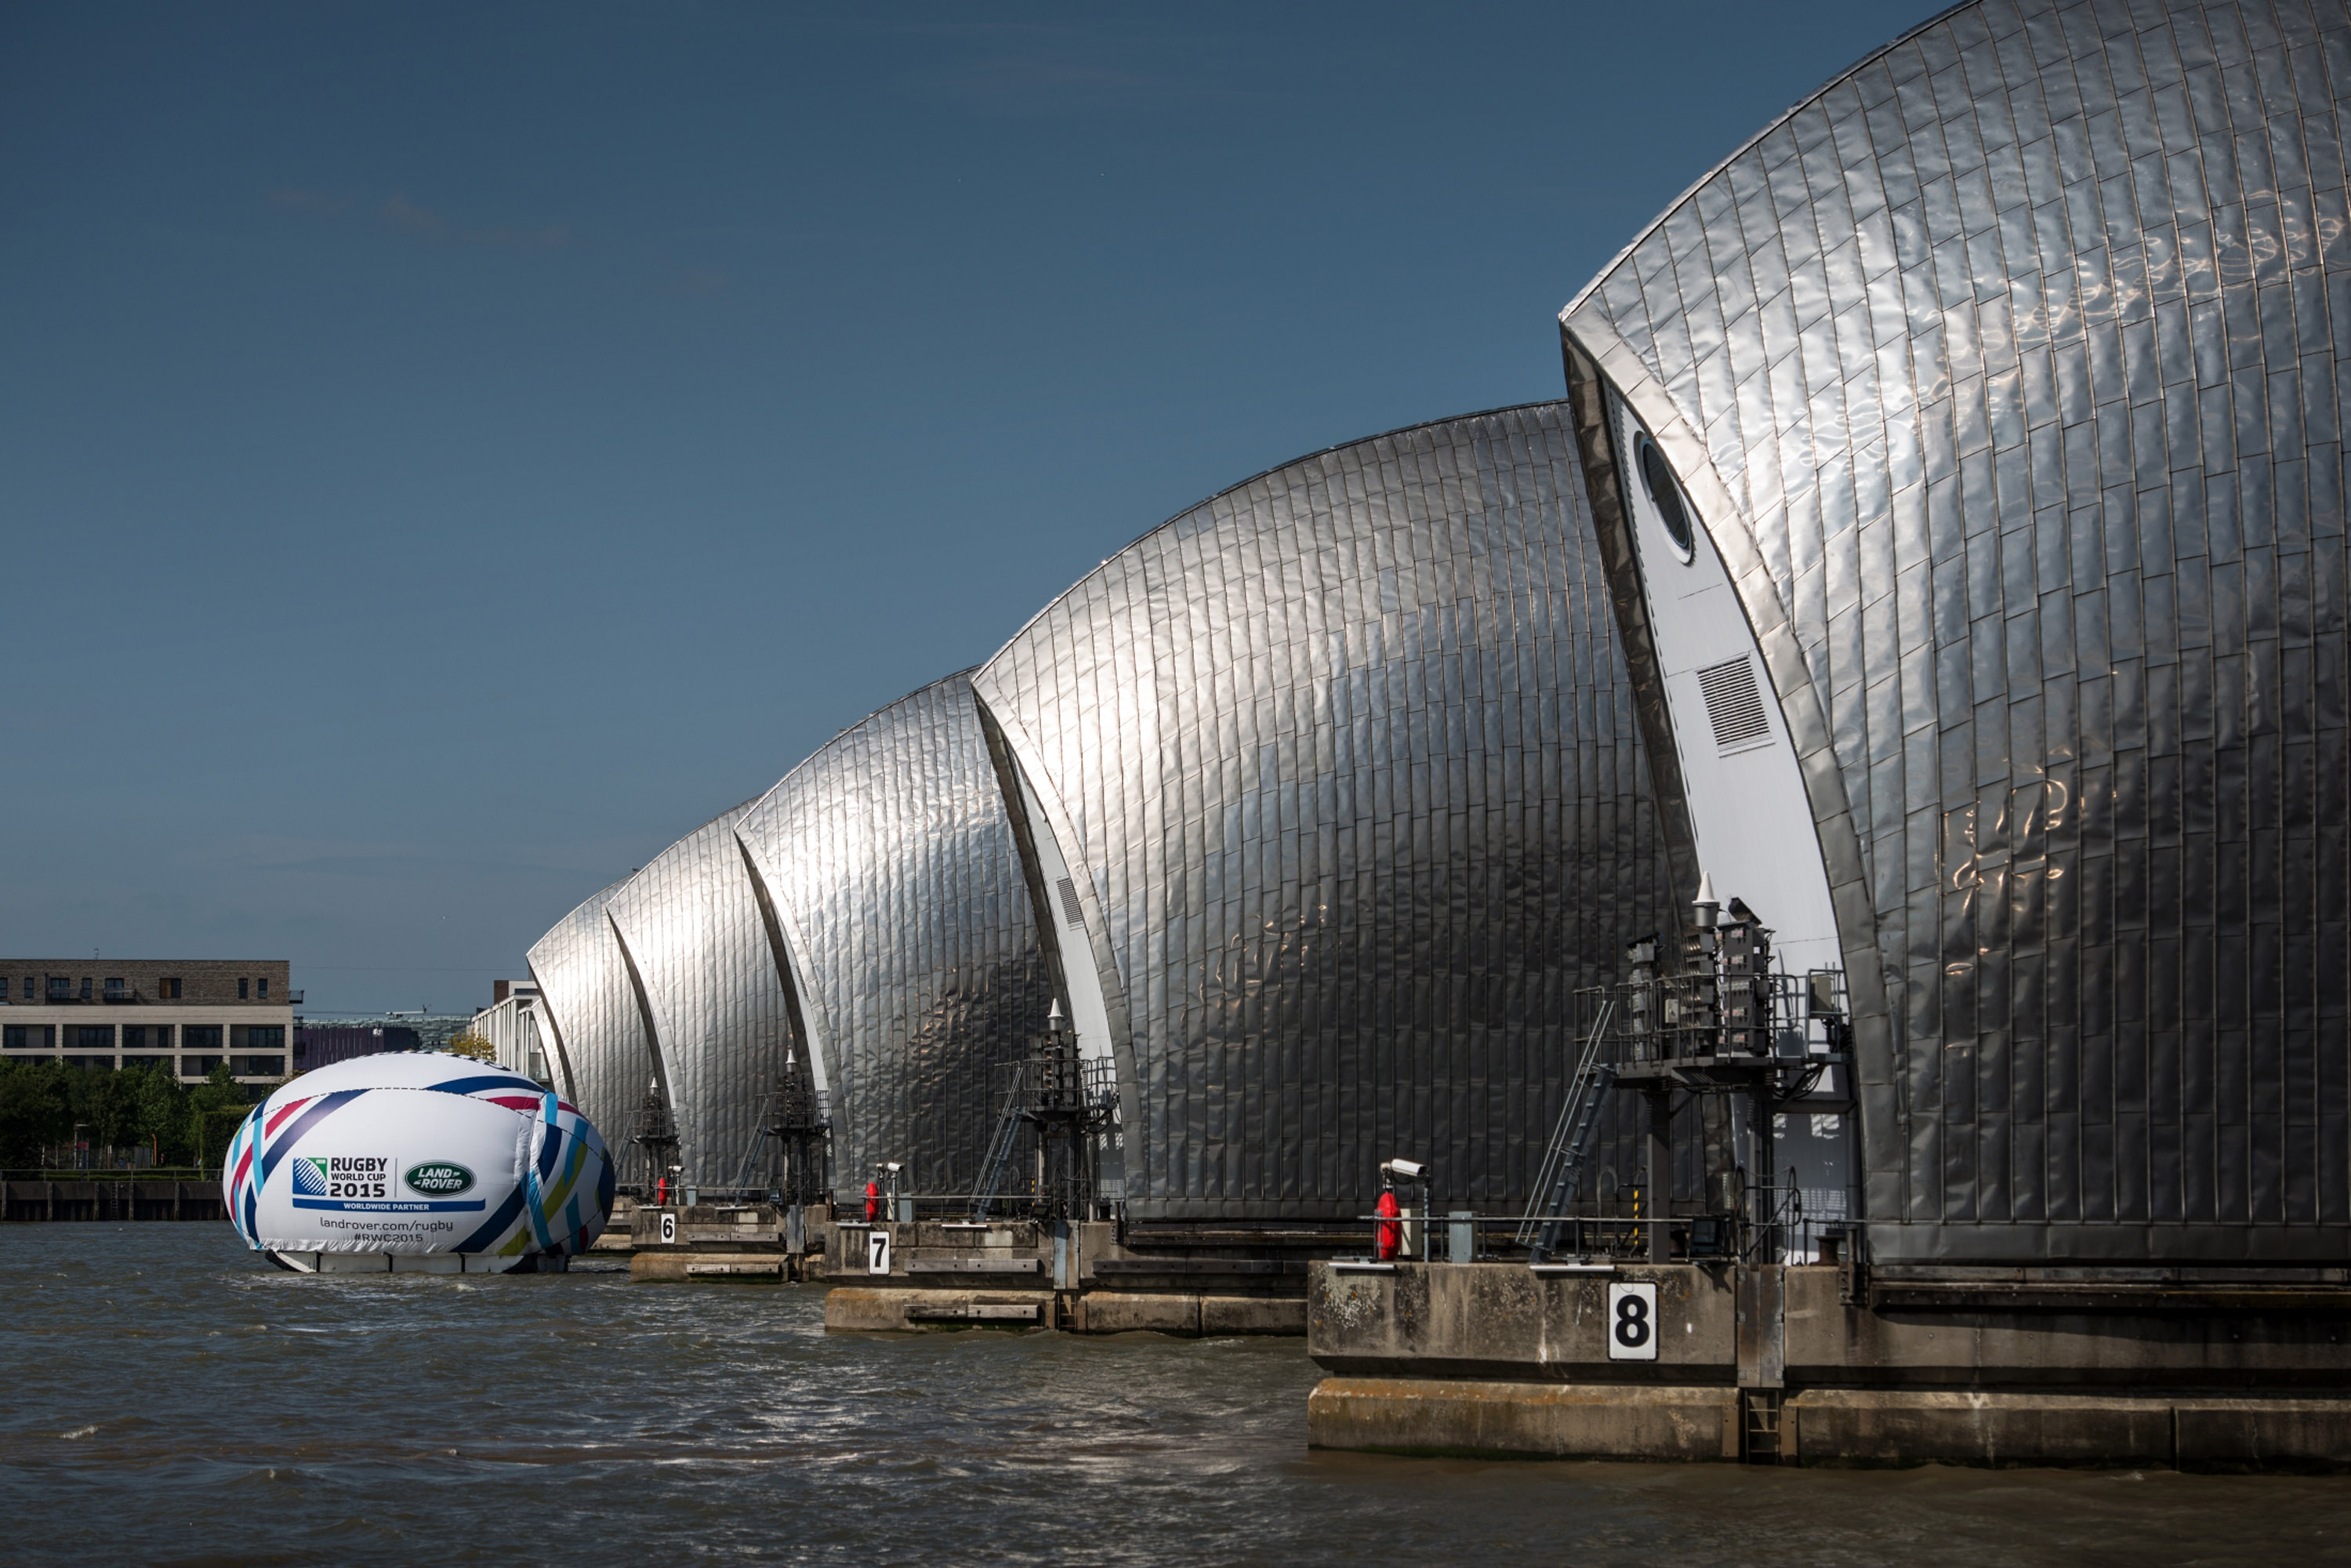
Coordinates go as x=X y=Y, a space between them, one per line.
x=1819 y=1365
x=1077 y=1277
x=746 y=1243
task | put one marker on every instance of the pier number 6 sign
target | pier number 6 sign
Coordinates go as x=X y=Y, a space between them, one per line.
x=877 y=1251
x=1632 y=1323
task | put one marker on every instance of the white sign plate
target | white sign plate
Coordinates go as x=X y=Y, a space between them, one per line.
x=1632 y=1323
x=669 y=1228
x=877 y=1251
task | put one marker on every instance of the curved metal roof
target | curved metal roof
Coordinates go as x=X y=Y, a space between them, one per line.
x=690 y=928
x=591 y=1009
x=887 y=862
x=2004 y=372
x=1346 y=764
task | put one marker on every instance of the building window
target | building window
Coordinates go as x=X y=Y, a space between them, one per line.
x=265 y=988
x=257 y=1066
x=85 y=987
x=167 y=989
x=60 y=989
x=258 y=1037
x=198 y=1066
x=28 y=1037
x=114 y=992
x=29 y=988
x=93 y=1037
x=240 y=988
x=200 y=1037
x=1665 y=495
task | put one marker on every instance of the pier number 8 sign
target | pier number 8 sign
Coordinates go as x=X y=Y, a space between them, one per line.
x=1632 y=1323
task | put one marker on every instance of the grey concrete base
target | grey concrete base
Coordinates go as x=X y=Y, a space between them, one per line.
x=2186 y=1432
x=1832 y=1426
x=1506 y=1359
x=894 y=1309
x=856 y=1309
x=1204 y=1316
x=1447 y=1416
x=709 y=1263
x=1878 y=1427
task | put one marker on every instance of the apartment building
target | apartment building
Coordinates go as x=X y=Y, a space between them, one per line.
x=189 y=1014
x=511 y=1023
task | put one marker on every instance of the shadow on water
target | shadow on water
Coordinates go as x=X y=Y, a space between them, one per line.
x=173 y=1399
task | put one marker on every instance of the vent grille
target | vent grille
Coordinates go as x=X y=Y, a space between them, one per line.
x=1070 y=910
x=1734 y=706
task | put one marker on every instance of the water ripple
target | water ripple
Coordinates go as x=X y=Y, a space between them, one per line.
x=174 y=1401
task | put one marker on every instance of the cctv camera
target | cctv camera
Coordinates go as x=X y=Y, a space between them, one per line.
x=893 y=1166
x=1410 y=1170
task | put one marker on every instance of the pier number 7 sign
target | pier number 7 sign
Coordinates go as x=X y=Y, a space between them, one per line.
x=877 y=1251
x=1632 y=1323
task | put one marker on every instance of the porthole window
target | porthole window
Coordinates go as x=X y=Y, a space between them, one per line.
x=1665 y=495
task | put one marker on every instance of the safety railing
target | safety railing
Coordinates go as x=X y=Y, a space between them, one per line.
x=1775 y=1229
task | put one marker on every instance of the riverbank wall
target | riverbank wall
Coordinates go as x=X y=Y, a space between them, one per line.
x=146 y=1199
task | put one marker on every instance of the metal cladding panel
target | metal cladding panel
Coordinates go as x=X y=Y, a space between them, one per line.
x=889 y=860
x=691 y=925
x=1348 y=760
x=2007 y=373
x=603 y=1059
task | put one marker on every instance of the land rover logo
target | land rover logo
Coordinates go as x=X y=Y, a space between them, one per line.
x=439 y=1176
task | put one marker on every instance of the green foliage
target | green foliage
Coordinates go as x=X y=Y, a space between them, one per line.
x=32 y=1105
x=186 y=1124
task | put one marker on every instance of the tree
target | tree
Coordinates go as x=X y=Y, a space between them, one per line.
x=475 y=1045
x=41 y=1102
x=32 y=1106
x=219 y=1104
x=155 y=1114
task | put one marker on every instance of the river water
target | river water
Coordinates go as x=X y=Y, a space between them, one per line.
x=170 y=1398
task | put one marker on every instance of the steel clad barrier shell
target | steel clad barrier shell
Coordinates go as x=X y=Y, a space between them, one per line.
x=2005 y=372
x=1347 y=756
x=886 y=863
x=603 y=1061
x=689 y=928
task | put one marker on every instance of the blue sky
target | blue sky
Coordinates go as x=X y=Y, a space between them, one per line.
x=448 y=453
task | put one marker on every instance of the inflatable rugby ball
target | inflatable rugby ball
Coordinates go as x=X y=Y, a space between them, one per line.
x=417 y=1161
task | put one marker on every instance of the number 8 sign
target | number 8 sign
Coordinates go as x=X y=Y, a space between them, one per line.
x=1632 y=1323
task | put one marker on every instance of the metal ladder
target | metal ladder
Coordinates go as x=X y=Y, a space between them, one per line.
x=1562 y=1166
x=1761 y=1426
x=1000 y=1148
